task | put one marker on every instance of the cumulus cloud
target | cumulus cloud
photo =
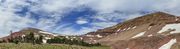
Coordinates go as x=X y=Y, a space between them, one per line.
x=81 y=20
x=109 y=11
x=67 y=29
x=46 y=14
x=109 y=6
x=101 y=25
x=10 y=20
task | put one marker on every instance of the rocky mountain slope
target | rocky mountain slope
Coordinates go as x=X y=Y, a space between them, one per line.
x=151 y=31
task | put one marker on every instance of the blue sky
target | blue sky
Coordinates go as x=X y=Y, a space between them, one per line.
x=75 y=17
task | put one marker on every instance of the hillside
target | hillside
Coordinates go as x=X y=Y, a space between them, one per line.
x=139 y=33
x=26 y=31
x=147 y=25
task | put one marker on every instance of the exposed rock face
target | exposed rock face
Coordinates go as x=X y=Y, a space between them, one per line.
x=150 y=31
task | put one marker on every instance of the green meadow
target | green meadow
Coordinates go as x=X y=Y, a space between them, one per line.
x=46 y=46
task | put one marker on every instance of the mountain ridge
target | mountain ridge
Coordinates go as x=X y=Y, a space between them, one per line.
x=145 y=26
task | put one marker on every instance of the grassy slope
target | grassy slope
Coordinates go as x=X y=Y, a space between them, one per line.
x=45 y=46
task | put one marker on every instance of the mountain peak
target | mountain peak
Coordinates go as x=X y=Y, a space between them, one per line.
x=30 y=28
x=158 y=14
x=157 y=17
x=155 y=20
x=161 y=13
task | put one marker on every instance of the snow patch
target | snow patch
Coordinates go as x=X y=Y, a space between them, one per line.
x=90 y=35
x=23 y=36
x=134 y=27
x=124 y=29
x=171 y=26
x=138 y=35
x=150 y=35
x=149 y=27
x=129 y=28
x=177 y=19
x=118 y=30
x=66 y=36
x=47 y=38
x=81 y=38
x=169 y=44
x=44 y=41
x=99 y=36
x=47 y=33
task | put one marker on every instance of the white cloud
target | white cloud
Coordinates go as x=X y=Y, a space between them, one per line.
x=108 y=12
x=81 y=20
x=8 y=19
x=102 y=25
x=55 y=6
x=11 y=21
x=109 y=6
x=72 y=31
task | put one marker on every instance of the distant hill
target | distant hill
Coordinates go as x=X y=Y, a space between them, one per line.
x=27 y=31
